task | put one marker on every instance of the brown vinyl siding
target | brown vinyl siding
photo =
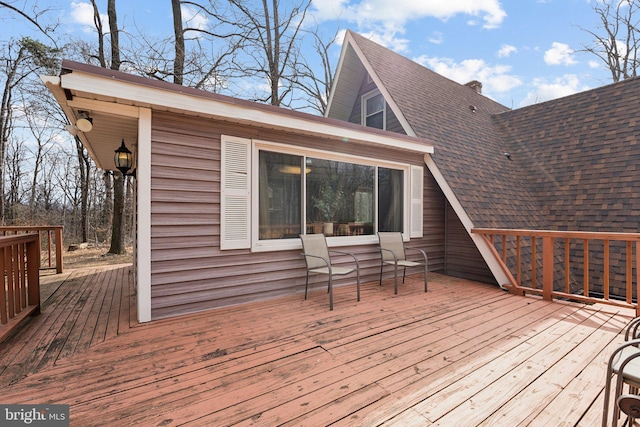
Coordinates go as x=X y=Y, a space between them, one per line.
x=189 y=272
x=462 y=256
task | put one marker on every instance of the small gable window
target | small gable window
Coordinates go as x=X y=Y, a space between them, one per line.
x=373 y=110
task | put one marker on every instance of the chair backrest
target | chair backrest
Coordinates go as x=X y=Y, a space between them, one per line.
x=391 y=240
x=316 y=245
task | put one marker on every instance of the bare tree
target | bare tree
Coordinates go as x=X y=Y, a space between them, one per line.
x=316 y=86
x=21 y=61
x=271 y=34
x=178 y=33
x=617 y=39
x=34 y=18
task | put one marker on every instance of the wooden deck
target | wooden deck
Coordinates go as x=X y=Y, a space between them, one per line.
x=463 y=354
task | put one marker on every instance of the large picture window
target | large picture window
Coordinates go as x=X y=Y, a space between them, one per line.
x=338 y=198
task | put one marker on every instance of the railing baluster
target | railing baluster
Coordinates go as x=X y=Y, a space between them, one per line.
x=8 y=263
x=547 y=268
x=519 y=260
x=629 y=274
x=567 y=270
x=586 y=267
x=504 y=248
x=534 y=257
x=606 y=269
x=4 y=317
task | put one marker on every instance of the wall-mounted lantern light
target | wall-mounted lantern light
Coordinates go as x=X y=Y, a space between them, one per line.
x=124 y=160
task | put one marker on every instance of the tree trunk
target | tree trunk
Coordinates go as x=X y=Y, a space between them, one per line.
x=178 y=62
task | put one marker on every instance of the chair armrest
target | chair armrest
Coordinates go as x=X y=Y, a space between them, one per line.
x=424 y=255
x=632 y=343
x=632 y=329
x=349 y=254
x=395 y=258
x=326 y=261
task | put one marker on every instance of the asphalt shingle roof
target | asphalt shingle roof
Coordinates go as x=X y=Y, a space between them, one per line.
x=574 y=162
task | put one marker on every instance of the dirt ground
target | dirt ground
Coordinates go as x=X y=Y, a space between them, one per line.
x=94 y=255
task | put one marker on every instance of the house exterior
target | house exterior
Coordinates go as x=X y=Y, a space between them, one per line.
x=225 y=186
x=566 y=164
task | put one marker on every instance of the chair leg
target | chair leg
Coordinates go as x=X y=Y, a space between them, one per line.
x=306 y=285
x=607 y=393
x=358 y=282
x=395 y=278
x=381 y=265
x=330 y=293
x=618 y=393
x=404 y=273
x=425 y=276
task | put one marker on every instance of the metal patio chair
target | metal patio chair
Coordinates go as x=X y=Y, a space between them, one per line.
x=393 y=252
x=624 y=365
x=318 y=259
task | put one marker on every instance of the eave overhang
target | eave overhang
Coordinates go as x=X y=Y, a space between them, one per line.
x=118 y=97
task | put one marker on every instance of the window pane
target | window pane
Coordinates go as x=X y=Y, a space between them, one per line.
x=279 y=195
x=375 y=104
x=374 y=114
x=340 y=198
x=375 y=121
x=390 y=199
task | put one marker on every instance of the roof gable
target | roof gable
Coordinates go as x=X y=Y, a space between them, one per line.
x=469 y=150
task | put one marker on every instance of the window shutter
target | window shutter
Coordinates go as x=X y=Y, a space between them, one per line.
x=417 y=179
x=235 y=193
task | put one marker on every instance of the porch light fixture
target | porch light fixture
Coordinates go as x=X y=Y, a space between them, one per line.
x=124 y=160
x=84 y=122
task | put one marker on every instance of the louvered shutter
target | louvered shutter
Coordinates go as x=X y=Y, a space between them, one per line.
x=417 y=176
x=235 y=193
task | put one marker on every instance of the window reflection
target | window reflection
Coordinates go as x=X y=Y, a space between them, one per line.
x=279 y=195
x=339 y=198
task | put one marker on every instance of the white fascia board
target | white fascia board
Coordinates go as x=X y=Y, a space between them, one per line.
x=146 y=96
x=480 y=243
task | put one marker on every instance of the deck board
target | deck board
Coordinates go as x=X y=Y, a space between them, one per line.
x=463 y=353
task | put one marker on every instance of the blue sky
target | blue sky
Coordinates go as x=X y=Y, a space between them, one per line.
x=523 y=51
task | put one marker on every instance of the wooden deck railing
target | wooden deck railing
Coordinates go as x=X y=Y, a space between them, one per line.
x=19 y=264
x=591 y=267
x=51 y=236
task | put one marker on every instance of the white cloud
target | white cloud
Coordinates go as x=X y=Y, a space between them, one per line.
x=388 y=39
x=545 y=90
x=494 y=79
x=594 y=64
x=436 y=38
x=506 y=50
x=559 y=54
x=395 y=14
x=82 y=13
x=192 y=17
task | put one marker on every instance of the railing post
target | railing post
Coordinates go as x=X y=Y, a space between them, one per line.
x=547 y=268
x=33 y=273
x=59 y=265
